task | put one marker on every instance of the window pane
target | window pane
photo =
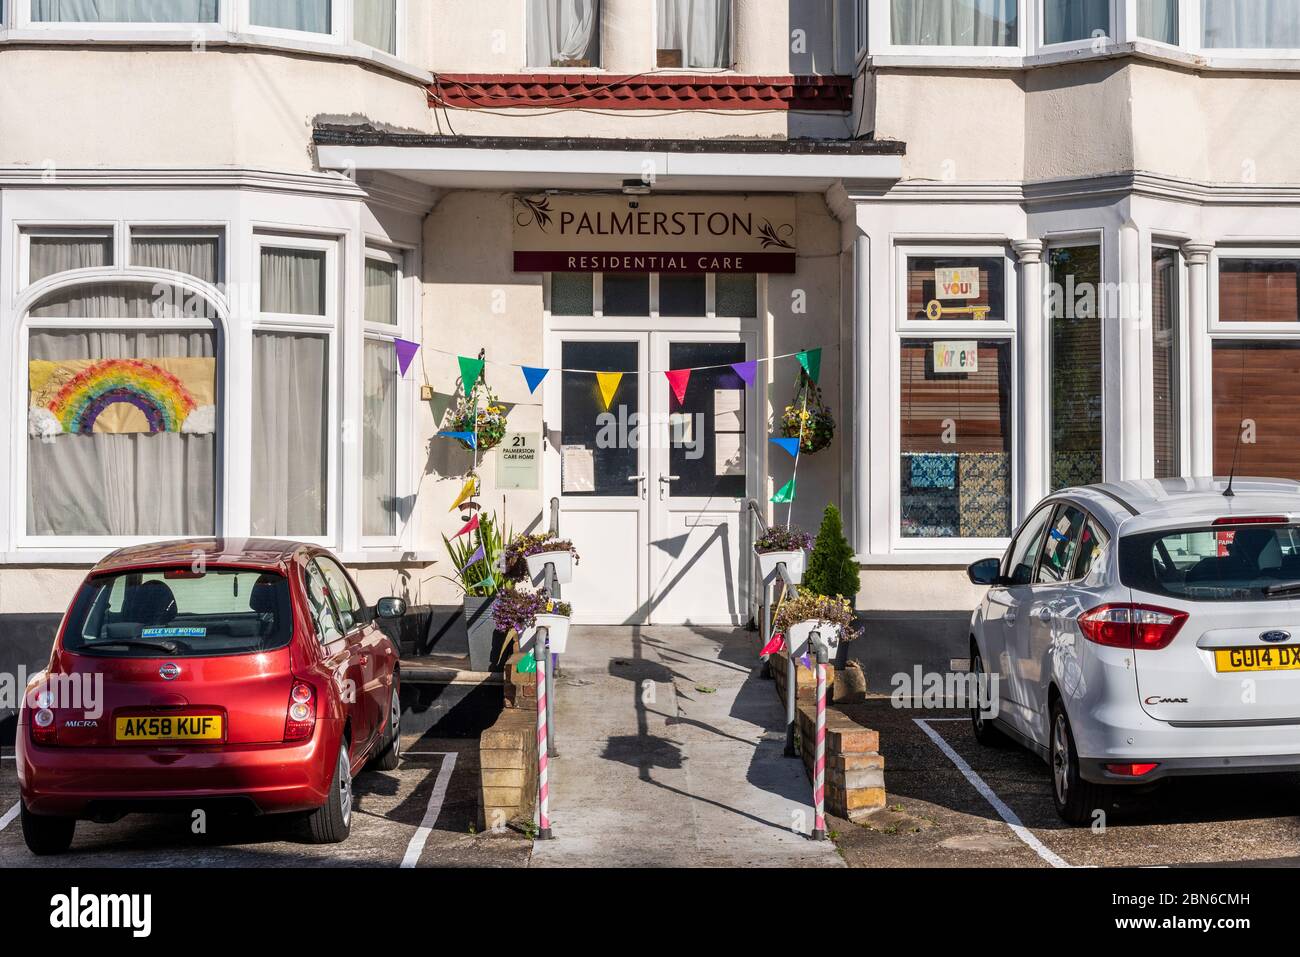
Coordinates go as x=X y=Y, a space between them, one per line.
x=1255 y=411
x=694 y=33
x=1075 y=367
x=122 y=300
x=1025 y=549
x=962 y=23
x=1251 y=24
x=193 y=255
x=597 y=454
x=293 y=281
x=1158 y=20
x=1060 y=545
x=56 y=254
x=1066 y=20
x=571 y=294
x=290 y=396
x=310 y=16
x=682 y=295
x=564 y=33
x=89 y=472
x=955 y=438
x=627 y=294
x=381 y=291
x=379 y=440
x=1165 y=375
x=1259 y=290
x=955 y=287
x=125 y=11
x=375 y=24
x=737 y=295
x=707 y=430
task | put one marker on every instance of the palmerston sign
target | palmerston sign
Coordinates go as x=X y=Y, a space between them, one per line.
x=674 y=234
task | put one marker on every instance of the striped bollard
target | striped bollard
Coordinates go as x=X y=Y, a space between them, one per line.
x=543 y=788
x=819 y=758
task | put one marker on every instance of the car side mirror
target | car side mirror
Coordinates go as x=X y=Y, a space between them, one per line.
x=390 y=607
x=986 y=571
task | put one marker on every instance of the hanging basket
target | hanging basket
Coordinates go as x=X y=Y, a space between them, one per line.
x=480 y=412
x=562 y=560
x=557 y=633
x=798 y=634
x=807 y=417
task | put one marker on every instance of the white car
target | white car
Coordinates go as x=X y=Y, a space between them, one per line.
x=1146 y=629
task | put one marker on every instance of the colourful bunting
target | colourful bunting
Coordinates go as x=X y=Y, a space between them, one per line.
x=469 y=437
x=746 y=370
x=406 y=351
x=608 y=382
x=677 y=378
x=790 y=445
x=467 y=492
x=470 y=370
x=811 y=360
x=470 y=526
x=534 y=376
x=478 y=556
x=487 y=581
x=806 y=662
x=773 y=646
x=527 y=665
x=785 y=494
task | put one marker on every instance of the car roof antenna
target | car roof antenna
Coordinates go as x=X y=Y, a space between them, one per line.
x=1236 y=444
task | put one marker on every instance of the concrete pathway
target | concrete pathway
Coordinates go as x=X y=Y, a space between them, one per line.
x=671 y=755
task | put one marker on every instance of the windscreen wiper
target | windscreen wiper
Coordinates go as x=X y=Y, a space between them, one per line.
x=168 y=646
x=1282 y=588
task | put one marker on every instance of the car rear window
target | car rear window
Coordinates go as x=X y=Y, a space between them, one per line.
x=1212 y=563
x=180 y=613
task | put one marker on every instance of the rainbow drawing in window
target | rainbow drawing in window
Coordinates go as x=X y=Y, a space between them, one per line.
x=84 y=396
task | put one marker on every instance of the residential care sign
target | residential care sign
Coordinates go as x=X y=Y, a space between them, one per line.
x=673 y=234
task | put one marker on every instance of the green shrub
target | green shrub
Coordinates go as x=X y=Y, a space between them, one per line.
x=832 y=570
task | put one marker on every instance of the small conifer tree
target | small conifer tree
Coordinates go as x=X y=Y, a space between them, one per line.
x=832 y=570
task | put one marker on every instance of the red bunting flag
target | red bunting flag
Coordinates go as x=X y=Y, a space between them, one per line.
x=470 y=526
x=677 y=378
x=773 y=646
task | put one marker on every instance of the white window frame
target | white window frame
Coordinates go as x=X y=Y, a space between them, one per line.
x=906 y=328
x=404 y=444
x=105 y=229
x=654 y=322
x=1234 y=53
x=684 y=68
x=1189 y=20
x=219 y=327
x=561 y=70
x=340 y=25
x=194 y=31
x=1182 y=325
x=1224 y=328
x=1111 y=39
x=327 y=325
x=399 y=40
x=191 y=230
x=880 y=37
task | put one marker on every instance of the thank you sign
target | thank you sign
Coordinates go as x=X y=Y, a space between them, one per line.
x=687 y=234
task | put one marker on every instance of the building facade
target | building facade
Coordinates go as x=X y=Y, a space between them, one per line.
x=1036 y=242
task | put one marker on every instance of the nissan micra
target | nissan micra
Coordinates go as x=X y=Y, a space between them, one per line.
x=209 y=673
x=1145 y=629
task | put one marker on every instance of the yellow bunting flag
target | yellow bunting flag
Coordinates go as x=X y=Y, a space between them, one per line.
x=608 y=382
x=466 y=493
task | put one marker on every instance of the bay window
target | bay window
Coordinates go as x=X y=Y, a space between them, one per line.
x=125 y=11
x=961 y=23
x=379 y=439
x=1070 y=21
x=563 y=33
x=955 y=382
x=695 y=34
x=1074 y=320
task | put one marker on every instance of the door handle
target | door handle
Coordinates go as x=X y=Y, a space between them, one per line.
x=640 y=480
x=665 y=481
x=1045 y=614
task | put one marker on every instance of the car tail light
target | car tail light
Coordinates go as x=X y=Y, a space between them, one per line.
x=43 y=730
x=1131 y=770
x=1253 y=520
x=1132 y=626
x=300 y=720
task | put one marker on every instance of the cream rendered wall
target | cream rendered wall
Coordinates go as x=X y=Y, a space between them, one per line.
x=173 y=107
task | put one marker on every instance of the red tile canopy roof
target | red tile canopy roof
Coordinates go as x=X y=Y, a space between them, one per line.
x=644 y=91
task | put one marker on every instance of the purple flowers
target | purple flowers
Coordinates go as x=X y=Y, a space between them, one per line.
x=783 y=538
x=516 y=609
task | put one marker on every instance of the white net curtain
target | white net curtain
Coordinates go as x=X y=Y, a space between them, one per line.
x=697 y=31
x=982 y=23
x=1252 y=24
x=306 y=16
x=564 y=33
x=125 y=11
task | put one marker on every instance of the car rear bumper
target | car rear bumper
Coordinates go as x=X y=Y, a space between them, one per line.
x=268 y=779
x=1094 y=769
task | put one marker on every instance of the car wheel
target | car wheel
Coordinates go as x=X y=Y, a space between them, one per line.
x=391 y=754
x=45 y=834
x=1077 y=800
x=986 y=732
x=332 y=821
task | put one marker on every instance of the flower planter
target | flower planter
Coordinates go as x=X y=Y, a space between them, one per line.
x=797 y=637
x=557 y=633
x=485 y=642
x=562 y=560
x=794 y=564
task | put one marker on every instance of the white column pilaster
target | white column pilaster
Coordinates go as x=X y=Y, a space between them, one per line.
x=861 y=470
x=1199 y=390
x=1133 y=325
x=1033 y=380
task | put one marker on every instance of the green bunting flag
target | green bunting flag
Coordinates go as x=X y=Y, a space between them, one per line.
x=470 y=370
x=785 y=494
x=527 y=664
x=811 y=360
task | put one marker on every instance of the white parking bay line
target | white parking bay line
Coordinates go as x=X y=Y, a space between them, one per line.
x=1009 y=816
x=421 y=835
x=9 y=817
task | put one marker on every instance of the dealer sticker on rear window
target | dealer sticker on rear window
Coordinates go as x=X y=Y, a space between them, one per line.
x=173 y=633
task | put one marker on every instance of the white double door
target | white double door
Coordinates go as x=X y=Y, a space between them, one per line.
x=652 y=490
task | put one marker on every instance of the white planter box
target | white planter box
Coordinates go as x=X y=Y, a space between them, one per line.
x=557 y=633
x=797 y=637
x=563 y=562
x=794 y=564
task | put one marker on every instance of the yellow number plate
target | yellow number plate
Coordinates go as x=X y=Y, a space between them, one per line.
x=202 y=727
x=1258 y=659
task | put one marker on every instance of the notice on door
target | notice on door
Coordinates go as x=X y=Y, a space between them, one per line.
x=957 y=283
x=519 y=464
x=577 y=469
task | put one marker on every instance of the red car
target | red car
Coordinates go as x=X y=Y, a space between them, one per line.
x=209 y=673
